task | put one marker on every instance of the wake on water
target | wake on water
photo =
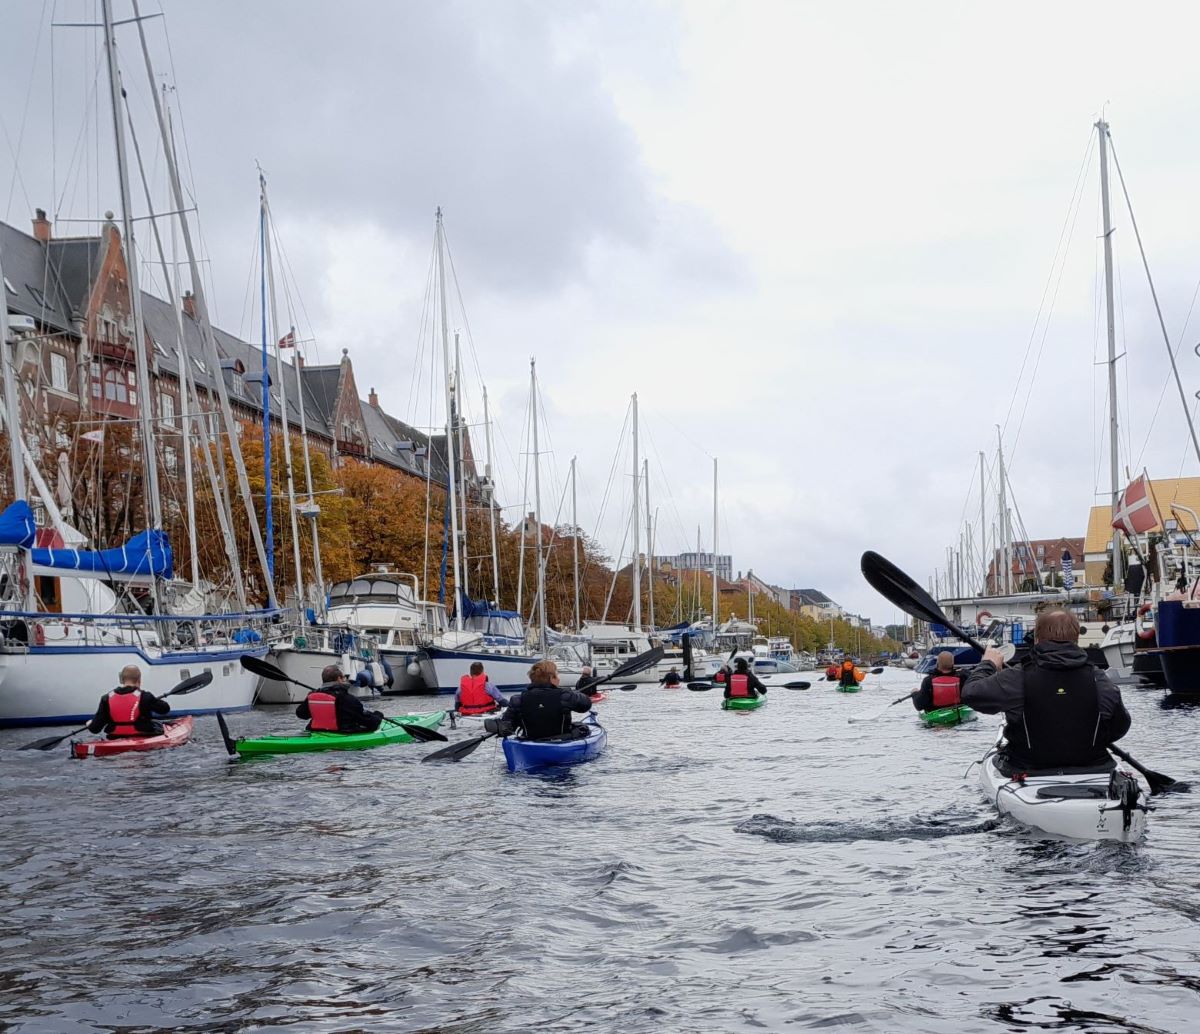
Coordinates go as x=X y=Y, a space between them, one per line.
x=784 y=831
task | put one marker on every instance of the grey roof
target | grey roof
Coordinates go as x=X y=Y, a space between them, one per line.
x=36 y=289
x=815 y=596
x=76 y=261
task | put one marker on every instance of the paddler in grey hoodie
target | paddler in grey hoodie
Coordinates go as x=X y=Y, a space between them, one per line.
x=1060 y=711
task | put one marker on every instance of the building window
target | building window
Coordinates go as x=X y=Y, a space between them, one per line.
x=166 y=404
x=95 y=380
x=170 y=460
x=116 y=385
x=58 y=371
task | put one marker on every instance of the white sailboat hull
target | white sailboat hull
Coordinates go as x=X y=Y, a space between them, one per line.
x=442 y=669
x=53 y=685
x=305 y=666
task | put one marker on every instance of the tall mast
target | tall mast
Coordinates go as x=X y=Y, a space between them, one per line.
x=268 y=508
x=983 y=523
x=716 y=543
x=206 y=333
x=12 y=418
x=452 y=500
x=1005 y=545
x=146 y=408
x=283 y=400
x=185 y=412
x=537 y=512
x=575 y=541
x=649 y=541
x=637 y=517
x=460 y=462
x=491 y=498
x=1114 y=459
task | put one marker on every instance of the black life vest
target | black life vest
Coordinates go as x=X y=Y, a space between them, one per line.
x=1061 y=724
x=541 y=713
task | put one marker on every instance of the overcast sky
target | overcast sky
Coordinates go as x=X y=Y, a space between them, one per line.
x=814 y=238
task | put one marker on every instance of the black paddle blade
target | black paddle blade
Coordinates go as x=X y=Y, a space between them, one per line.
x=51 y=741
x=875 y=671
x=699 y=687
x=629 y=687
x=230 y=743
x=191 y=685
x=458 y=751
x=1159 y=783
x=263 y=667
x=423 y=735
x=639 y=663
x=899 y=589
x=797 y=685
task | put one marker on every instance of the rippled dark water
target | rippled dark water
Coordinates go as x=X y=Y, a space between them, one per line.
x=781 y=869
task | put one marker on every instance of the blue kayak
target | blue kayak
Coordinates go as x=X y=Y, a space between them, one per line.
x=527 y=755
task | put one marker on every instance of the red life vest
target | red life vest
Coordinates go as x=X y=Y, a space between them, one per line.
x=323 y=708
x=739 y=686
x=946 y=691
x=473 y=696
x=719 y=676
x=123 y=710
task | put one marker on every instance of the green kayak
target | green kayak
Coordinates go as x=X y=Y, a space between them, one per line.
x=948 y=715
x=308 y=742
x=743 y=703
x=847 y=689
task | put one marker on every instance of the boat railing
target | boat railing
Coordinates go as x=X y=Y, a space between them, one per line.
x=21 y=630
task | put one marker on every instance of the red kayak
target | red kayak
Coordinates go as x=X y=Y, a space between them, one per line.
x=173 y=735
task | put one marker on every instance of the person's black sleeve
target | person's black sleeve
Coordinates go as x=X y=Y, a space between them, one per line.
x=302 y=710
x=101 y=718
x=756 y=683
x=156 y=705
x=576 y=701
x=923 y=698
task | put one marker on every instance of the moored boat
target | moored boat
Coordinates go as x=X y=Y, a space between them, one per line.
x=528 y=755
x=174 y=734
x=312 y=742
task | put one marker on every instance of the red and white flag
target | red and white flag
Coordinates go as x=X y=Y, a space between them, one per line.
x=289 y=339
x=1135 y=511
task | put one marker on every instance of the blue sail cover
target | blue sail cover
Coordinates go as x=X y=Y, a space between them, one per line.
x=16 y=525
x=481 y=616
x=147 y=553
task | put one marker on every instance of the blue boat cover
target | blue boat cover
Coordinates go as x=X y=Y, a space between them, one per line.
x=147 y=553
x=482 y=609
x=16 y=525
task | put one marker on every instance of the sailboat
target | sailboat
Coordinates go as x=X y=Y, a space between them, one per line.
x=55 y=662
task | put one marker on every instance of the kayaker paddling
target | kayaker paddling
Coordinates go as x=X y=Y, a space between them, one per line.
x=743 y=683
x=543 y=711
x=129 y=710
x=333 y=708
x=671 y=678
x=476 y=694
x=1060 y=711
x=850 y=675
x=939 y=689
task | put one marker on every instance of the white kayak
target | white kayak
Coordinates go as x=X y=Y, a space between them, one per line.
x=1091 y=806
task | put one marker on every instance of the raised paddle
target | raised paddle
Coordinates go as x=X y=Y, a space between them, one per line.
x=186 y=686
x=880 y=714
x=267 y=670
x=897 y=588
x=460 y=750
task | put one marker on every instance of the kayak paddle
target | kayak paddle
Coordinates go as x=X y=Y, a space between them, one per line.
x=797 y=685
x=899 y=589
x=460 y=750
x=186 y=686
x=1159 y=783
x=265 y=669
x=230 y=742
x=699 y=687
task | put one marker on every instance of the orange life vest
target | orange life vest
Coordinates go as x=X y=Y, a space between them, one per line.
x=123 y=710
x=739 y=686
x=473 y=696
x=946 y=691
x=323 y=708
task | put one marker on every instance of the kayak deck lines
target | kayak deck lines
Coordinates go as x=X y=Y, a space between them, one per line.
x=315 y=742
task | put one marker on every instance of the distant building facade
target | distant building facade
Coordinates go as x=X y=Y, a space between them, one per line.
x=699 y=562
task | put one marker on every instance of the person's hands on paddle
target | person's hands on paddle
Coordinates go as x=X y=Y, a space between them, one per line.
x=994 y=656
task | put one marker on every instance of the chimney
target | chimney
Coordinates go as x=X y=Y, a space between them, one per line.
x=189 y=304
x=41 y=226
x=373 y=399
x=299 y=359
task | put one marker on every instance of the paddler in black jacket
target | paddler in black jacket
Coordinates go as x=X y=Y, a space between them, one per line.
x=1060 y=711
x=333 y=708
x=947 y=683
x=129 y=710
x=543 y=711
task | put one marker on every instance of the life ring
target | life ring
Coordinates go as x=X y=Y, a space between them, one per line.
x=1145 y=630
x=981 y=615
x=39 y=635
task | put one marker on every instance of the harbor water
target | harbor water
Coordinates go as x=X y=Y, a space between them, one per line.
x=783 y=869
